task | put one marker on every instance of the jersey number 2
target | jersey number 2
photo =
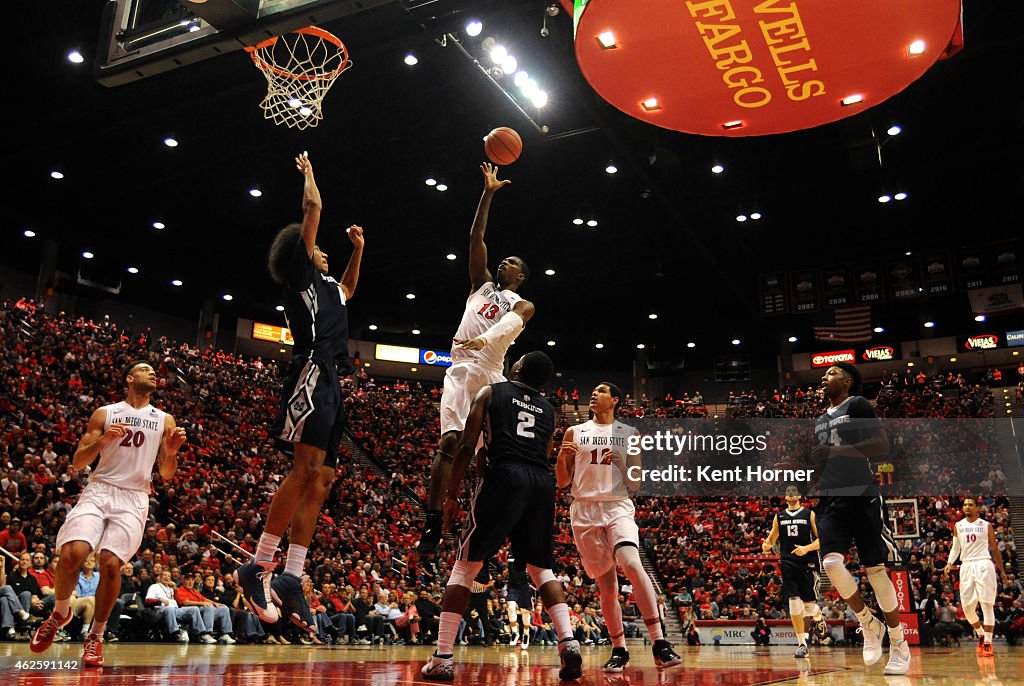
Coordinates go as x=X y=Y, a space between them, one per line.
x=525 y=426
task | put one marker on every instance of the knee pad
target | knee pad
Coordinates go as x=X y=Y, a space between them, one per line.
x=885 y=592
x=540 y=576
x=796 y=607
x=464 y=572
x=811 y=609
x=988 y=611
x=836 y=571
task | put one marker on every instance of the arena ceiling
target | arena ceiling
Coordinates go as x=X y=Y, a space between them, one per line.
x=667 y=240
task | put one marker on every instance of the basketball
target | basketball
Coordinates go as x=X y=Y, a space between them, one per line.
x=503 y=145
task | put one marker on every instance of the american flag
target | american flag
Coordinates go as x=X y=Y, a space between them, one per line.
x=853 y=325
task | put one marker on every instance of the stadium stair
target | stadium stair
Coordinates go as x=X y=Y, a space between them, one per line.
x=673 y=626
x=1010 y=441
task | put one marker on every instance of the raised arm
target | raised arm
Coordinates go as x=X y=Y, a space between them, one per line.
x=350 y=278
x=565 y=464
x=478 y=272
x=311 y=203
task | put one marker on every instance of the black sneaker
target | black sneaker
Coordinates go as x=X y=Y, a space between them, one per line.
x=801 y=651
x=618 y=661
x=254 y=579
x=431 y=537
x=664 y=656
x=572 y=661
x=287 y=590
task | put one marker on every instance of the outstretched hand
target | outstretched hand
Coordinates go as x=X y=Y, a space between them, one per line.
x=491 y=181
x=355 y=234
x=303 y=164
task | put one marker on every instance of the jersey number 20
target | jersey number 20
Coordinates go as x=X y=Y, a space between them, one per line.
x=133 y=439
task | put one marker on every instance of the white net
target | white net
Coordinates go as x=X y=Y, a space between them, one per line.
x=300 y=68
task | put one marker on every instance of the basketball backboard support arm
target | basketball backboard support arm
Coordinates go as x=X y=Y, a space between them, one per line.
x=141 y=38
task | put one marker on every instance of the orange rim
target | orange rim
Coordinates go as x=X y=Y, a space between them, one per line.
x=309 y=31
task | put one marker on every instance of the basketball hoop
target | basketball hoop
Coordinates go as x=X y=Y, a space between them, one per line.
x=300 y=68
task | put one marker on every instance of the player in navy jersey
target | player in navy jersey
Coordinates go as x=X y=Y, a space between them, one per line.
x=796 y=531
x=311 y=417
x=514 y=501
x=494 y=315
x=853 y=511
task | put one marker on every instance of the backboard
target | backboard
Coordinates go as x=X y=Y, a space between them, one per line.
x=140 y=38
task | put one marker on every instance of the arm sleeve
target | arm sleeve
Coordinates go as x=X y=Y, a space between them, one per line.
x=508 y=326
x=954 y=550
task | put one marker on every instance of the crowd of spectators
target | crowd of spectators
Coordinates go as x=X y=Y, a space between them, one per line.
x=362 y=585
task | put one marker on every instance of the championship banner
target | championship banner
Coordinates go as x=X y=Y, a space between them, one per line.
x=938 y=274
x=997 y=300
x=972 y=267
x=1007 y=267
x=837 y=286
x=772 y=288
x=867 y=283
x=904 y=278
x=806 y=289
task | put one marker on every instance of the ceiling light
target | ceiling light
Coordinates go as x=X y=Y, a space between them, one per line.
x=509 y=65
x=305 y=111
x=900 y=196
x=442 y=187
x=549 y=272
x=611 y=169
x=910 y=364
x=691 y=344
x=852 y=99
x=295 y=103
x=411 y=60
x=133 y=270
x=879 y=329
x=652 y=316
x=792 y=339
x=606 y=40
x=599 y=346
x=734 y=124
x=372 y=327
x=228 y=297
x=952 y=359
x=577 y=221
x=717 y=169
x=908 y=253
x=75 y=57
x=639 y=346
x=755 y=215
x=451 y=256
x=980 y=318
x=431 y=182
x=498 y=54
x=539 y=99
x=474 y=28
x=916 y=48
x=894 y=130
x=929 y=325
x=592 y=223
x=88 y=255
x=415 y=332
x=528 y=88
x=29 y=233
x=650 y=105
x=255 y=192
x=56 y=175
x=159 y=225
x=279 y=308
x=551 y=344
x=735 y=341
x=410 y=296
x=176 y=282
x=884 y=198
x=412 y=369
x=521 y=78
x=741 y=217
x=171 y=142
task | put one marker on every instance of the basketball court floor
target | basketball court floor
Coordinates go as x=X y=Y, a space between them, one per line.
x=218 y=665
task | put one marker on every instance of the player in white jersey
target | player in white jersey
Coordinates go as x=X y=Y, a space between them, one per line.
x=109 y=519
x=593 y=460
x=495 y=315
x=974 y=542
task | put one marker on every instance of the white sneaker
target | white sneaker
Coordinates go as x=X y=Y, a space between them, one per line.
x=439 y=668
x=207 y=638
x=226 y=639
x=873 y=632
x=182 y=636
x=899 y=659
